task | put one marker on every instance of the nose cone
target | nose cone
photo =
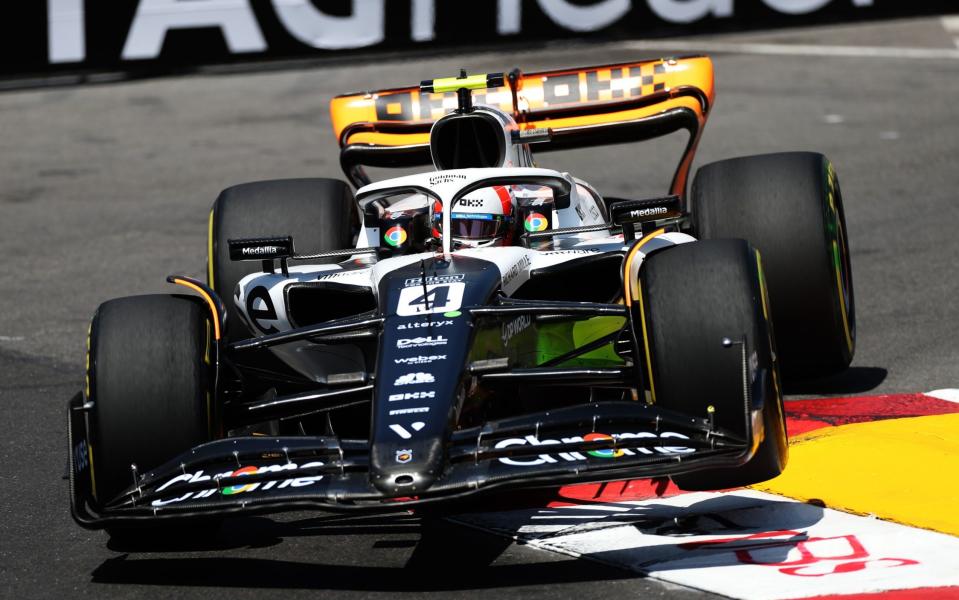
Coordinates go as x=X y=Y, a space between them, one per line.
x=408 y=470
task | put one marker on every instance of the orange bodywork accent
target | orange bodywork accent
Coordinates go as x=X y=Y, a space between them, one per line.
x=209 y=301
x=601 y=87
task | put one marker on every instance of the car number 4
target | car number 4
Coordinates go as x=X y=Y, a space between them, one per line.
x=438 y=298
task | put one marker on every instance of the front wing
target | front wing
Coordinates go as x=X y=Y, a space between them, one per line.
x=246 y=475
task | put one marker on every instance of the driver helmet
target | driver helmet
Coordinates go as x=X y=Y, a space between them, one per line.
x=481 y=218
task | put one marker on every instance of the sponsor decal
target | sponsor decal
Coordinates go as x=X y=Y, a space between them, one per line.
x=647 y=212
x=342 y=273
x=421 y=342
x=437 y=298
x=260 y=250
x=260 y=308
x=515 y=270
x=81 y=458
x=412 y=396
x=404 y=456
x=573 y=251
x=410 y=411
x=580 y=211
x=233 y=490
x=414 y=378
x=514 y=327
x=403 y=326
x=610 y=453
x=445 y=177
x=108 y=35
x=395 y=236
x=452 y=314
x=471 y=202
x=434 y=279
x=542 y=459
x=405 y=433
x=419 y=360
x=536 y=222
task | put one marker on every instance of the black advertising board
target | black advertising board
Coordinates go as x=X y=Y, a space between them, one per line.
x=44 y=37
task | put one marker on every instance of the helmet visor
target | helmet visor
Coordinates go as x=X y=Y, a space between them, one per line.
x=474 y=226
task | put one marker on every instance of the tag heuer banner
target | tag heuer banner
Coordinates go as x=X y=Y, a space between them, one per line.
x=39 y=37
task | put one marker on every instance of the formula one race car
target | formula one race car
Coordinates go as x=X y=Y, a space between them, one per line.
x=481 y=326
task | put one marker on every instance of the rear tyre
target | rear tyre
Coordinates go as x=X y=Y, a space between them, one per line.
x=318 y=213
x=694 y=295
x=150 y=384
x=789 y=206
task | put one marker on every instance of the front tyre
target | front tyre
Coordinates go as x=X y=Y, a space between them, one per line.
x=150 y=382
x=789 y=206
x=693 y=296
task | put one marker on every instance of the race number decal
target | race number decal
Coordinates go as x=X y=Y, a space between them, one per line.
x=437 y=298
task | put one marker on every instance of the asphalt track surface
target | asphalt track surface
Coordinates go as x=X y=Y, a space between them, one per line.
x=104 y=190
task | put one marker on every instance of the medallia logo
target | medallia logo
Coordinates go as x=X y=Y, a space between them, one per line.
x=535 y=222
x=395 y=236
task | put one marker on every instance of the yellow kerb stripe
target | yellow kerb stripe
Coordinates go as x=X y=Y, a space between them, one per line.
x=897 y=469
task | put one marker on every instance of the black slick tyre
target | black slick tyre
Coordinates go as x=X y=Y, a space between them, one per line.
x=150 y=382
x=318 y=213
x=693 y=296
x=789 y=206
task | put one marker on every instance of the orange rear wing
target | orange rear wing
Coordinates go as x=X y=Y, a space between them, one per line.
x=590 y=106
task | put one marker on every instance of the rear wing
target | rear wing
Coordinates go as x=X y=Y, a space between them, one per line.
x=590 y=106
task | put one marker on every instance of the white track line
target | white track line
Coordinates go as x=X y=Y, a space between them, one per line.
x=951 y=25
x=952 y=395
x=797 y=49
x=744 y=544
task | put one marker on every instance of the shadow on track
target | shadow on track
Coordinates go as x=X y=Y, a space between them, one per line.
x=428 y=568
x=854 y=380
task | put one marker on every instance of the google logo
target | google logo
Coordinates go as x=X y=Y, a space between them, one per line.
x=611 y=453
x=536 y=222
x=236 y=489
x=395 y=236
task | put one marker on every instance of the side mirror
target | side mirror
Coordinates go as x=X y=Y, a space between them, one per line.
x=264 y=249
x=626 y=213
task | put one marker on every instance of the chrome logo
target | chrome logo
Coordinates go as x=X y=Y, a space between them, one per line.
x=536 y=222
x=395 y=236
x=236 y=489
x=593 y=437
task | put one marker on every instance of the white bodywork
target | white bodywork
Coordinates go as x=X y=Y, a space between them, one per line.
x=514 y=262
